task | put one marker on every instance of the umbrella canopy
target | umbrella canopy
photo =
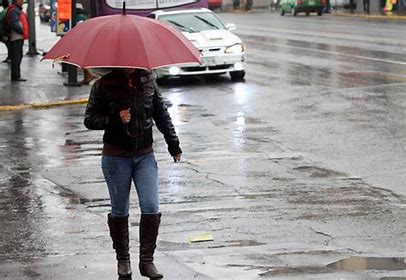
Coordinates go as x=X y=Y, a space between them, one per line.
x=125 y=41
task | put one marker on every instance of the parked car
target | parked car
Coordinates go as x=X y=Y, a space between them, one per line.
x=302 y=6
x=221 y=51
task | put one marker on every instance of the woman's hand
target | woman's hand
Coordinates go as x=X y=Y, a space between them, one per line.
x=176 y=158
x=125 y=116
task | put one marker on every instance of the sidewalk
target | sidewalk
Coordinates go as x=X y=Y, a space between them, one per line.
x=347 y=13
x=44 y=85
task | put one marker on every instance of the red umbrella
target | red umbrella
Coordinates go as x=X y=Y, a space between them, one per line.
x=125 y=41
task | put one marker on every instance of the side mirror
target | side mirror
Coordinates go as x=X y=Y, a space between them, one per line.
x=231 y=26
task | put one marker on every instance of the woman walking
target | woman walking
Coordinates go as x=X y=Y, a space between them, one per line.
x=124 y=104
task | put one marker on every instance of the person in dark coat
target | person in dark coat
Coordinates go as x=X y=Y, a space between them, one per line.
x=17 y=21
x=352 y=6
x=125 y=103
x=366 y=6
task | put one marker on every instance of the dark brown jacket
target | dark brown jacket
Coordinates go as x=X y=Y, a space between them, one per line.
x=115 y=92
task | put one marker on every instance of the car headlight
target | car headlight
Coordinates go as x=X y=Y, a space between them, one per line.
x=237 y=48
x=174 y=70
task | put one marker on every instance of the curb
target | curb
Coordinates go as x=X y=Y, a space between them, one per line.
x=38 y=106
x=380 y=17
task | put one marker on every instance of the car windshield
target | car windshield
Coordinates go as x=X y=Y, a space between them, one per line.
x=193 y=22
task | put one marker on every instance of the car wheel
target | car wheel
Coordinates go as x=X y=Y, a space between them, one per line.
x=294 y=12
x=319 y=13
x=237 y=75
x=282 y=12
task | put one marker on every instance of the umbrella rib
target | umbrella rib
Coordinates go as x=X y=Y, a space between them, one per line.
x=143 y=45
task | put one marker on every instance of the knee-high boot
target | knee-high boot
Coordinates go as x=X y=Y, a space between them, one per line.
x=149 y=226
x=119 y=235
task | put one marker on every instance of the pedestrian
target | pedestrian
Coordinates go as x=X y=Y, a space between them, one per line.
x=248 y=5
x=352 y=6
x=4 y=39
x=17 y=21
x=402 y=7
x=80 y=13
x=366 y=6
x=124 y=104
x=236 y=4
x=327 y=7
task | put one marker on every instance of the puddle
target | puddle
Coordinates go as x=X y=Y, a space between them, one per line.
x=318 y=172
x=292 y=270
x=369 y=263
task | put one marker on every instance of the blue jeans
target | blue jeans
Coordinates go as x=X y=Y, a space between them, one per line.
x=120 y=171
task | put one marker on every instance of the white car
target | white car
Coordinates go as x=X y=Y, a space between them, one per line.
x=221 y=51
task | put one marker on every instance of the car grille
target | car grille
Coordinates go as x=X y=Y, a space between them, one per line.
x=202 y=51
x=219 y=67
x=202 y=68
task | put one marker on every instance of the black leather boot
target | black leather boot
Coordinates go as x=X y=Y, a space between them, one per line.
x=149 y=226
x=119 y=234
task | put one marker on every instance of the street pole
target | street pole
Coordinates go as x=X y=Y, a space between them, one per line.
x=32 y=48
x=72 y=70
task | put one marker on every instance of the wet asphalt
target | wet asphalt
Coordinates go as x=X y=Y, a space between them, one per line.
x=297 y=173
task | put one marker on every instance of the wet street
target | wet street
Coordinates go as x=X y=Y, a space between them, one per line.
x=298 y=172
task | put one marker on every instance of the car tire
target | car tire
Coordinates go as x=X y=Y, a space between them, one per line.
x=319 y=13
x=282 y=12
x=237 y=75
